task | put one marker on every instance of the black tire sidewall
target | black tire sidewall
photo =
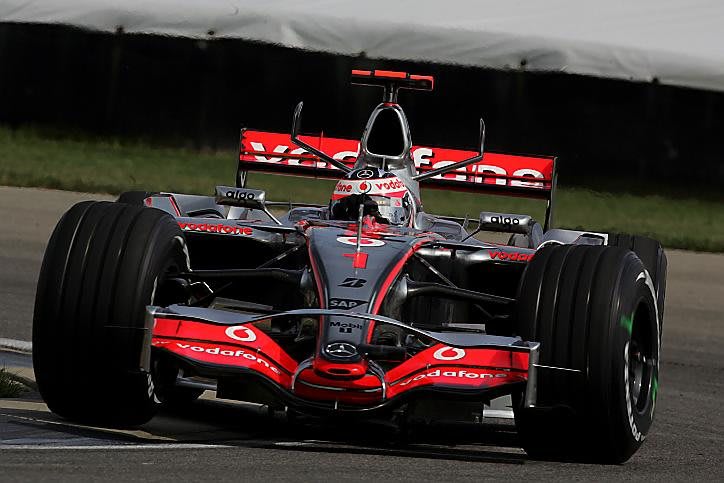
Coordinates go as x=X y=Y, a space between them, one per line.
x=627 y=424
x=101 y=266
x=572 y=300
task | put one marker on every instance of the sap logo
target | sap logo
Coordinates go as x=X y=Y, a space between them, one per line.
x=345 y=304
x=351 y=282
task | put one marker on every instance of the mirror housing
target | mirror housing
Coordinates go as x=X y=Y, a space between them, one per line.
x=505 y=222
x=241 y=197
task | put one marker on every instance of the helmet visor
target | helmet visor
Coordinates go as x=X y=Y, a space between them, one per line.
x=396 y=211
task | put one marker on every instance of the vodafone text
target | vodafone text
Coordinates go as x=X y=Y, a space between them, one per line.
x=424 y=161
x=458 y=373
x=218 y=351
x=516 y=257
x=218 y=228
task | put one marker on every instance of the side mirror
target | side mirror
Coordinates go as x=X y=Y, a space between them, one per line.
x=241 y=197
x=244 y=198
x=505 y=223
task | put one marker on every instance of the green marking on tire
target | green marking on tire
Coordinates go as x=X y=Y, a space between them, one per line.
x=654 y=388
x=627 y=323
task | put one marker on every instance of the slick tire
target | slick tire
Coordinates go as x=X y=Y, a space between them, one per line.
x=653 y=257
x=104 y=263
x=593 y=310
x=133 y=197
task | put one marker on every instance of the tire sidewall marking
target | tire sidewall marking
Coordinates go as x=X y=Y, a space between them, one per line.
x=637 y=424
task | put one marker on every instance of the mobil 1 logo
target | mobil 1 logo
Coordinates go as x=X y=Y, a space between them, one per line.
x=346 y=327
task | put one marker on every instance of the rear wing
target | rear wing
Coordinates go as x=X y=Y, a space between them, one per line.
x=503 y=174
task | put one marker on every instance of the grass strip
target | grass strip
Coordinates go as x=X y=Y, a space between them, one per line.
x=30 y=159
x=10 y=385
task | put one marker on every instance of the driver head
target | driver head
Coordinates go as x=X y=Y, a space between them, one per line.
x=383 y=195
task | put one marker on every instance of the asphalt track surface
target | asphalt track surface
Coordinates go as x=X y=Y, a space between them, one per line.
x=216 y=440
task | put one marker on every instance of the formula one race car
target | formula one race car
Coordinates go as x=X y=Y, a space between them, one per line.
x=365 y=306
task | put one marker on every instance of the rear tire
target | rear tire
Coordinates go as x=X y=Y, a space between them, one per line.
x=653 y=257
x=592 y=308
x=133 y=197
x=103 y=265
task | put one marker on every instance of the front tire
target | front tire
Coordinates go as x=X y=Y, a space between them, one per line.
x=593 y=310
x=102 y=267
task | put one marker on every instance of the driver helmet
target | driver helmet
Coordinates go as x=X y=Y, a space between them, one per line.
x=384 y=196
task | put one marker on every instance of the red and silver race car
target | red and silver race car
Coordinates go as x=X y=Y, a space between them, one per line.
x=367 y=306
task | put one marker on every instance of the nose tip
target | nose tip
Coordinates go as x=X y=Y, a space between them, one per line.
x=340 y=370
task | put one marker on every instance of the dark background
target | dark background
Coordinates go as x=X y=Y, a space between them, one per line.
x=198 y=93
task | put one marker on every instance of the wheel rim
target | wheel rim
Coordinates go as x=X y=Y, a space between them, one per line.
x=636 y=366
x=641 y=358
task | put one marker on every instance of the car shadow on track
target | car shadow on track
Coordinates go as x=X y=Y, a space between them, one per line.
x=256 y=426
x=27 y=421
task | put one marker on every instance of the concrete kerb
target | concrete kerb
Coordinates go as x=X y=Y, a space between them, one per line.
x=22 y=346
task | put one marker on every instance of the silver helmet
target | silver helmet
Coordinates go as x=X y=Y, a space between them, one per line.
x=383 y=195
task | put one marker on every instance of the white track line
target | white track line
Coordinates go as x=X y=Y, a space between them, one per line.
x=115 y=447
x=16 y=345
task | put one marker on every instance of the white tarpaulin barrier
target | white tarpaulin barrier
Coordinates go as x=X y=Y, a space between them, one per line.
x=678 y=42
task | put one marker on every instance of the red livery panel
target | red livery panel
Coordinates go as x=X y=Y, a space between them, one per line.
x=225 y=355
x=168 y=333
x=457 y=367
x=248 y=347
